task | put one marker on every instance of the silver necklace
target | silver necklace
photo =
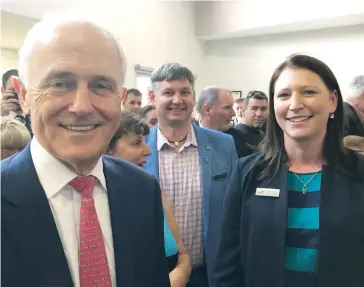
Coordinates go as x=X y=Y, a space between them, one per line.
x=304 y=188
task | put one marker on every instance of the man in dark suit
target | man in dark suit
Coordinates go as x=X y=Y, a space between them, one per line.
x=354 y=108
x=255 y=115
x=192 y=164
x=215 y=107
x=71 y=217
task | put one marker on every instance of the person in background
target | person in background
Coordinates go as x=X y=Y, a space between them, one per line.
x=61 y=187
x=14 y=137
x=192 y=164
x=10 y=105
x=294 y=213
x=215 y=109
x=132 y=100
x=239 y=110
x=355 y=143
x=254 y=117
x=354 y=108
x=129 y=144
x=149 y=114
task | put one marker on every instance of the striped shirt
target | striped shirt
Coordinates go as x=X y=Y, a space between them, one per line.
x=302 y=236
x=180 y=181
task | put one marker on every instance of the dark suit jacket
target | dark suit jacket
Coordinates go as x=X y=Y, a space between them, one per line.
x=252 y=241
x=243 y=148
x=352 y=124
x=32 y=253
x=217 y=155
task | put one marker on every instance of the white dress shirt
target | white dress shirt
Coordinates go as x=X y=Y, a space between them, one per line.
x=65 y=203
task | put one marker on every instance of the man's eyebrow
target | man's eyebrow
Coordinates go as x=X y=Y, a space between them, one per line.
x=57 y=74
x=110 y=80
x=63 y=74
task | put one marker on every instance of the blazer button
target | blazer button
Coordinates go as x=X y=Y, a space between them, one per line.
x=206 y=159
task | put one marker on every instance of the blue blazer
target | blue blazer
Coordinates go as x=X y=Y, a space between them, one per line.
x=252 y=242
x=217 y=155
x=31 y=249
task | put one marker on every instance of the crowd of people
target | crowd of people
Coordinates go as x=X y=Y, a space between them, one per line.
x=190 y=190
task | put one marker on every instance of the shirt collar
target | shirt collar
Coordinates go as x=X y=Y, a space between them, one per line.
x=162 y=140
x=53 y=174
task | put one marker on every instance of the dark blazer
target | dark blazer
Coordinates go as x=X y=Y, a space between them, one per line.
x=243 y=148
x=252 y=241
x=31 y=249
x=217 y=155
x=352 y=123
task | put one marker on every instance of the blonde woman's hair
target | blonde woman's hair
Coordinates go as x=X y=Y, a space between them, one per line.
x=14 y=134
x=355 y=143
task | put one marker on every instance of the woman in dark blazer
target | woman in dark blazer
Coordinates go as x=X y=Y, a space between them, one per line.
x=294 y=214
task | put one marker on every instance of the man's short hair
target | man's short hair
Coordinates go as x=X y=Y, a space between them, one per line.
x=258 y=95
x=134 y=92
x=129 y=122
x=357 y=85
x=145 y=110
x=6 y=76
x=14 y=134
x=208 y=96
x=239 y=101
x=171 y=72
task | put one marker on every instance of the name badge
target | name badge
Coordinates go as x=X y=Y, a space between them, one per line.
x=269 y=192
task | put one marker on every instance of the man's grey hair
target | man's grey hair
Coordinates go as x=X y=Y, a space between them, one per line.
x=209 y=96
x=357 y=85
x=171 y=72
x=44 y=30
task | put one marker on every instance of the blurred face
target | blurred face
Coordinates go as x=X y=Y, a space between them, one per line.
x=302 y=104
x=132 y=103
x=74 y=95
x=151 y=118
x=132 y=148
x=174 y=102
x=256 y=113
x=222 y=112
x=239 y=109
x=9 y=88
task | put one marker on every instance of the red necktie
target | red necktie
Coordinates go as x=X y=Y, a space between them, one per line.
x=94 y=268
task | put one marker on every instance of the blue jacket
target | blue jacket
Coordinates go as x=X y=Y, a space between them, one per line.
x=217 y=155
x=31 y=249
x=252 y=242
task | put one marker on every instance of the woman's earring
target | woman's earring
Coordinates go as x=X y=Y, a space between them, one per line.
x=332 y=115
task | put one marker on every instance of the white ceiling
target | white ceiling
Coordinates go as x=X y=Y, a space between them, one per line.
x=14 y=29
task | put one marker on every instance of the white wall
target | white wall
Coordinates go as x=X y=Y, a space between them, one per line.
x=8 y=60
x=151 y=32
x=231 y=17
x=248 y=64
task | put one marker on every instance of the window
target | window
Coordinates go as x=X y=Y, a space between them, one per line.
x=143 y=82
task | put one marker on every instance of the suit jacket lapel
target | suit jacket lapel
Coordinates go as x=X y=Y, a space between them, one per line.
x=205 y=158
x=31 y=224
x=152 y=163
x=272 y=244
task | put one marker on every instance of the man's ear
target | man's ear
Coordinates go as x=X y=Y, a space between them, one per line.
x=206 y=110
x=22 y=93
x=151 y=96
x=122 y=97
x=3 y=90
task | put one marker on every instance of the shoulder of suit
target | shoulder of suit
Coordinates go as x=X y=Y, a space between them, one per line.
x=249 y=163
x=124 y=167
x=216 y=135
